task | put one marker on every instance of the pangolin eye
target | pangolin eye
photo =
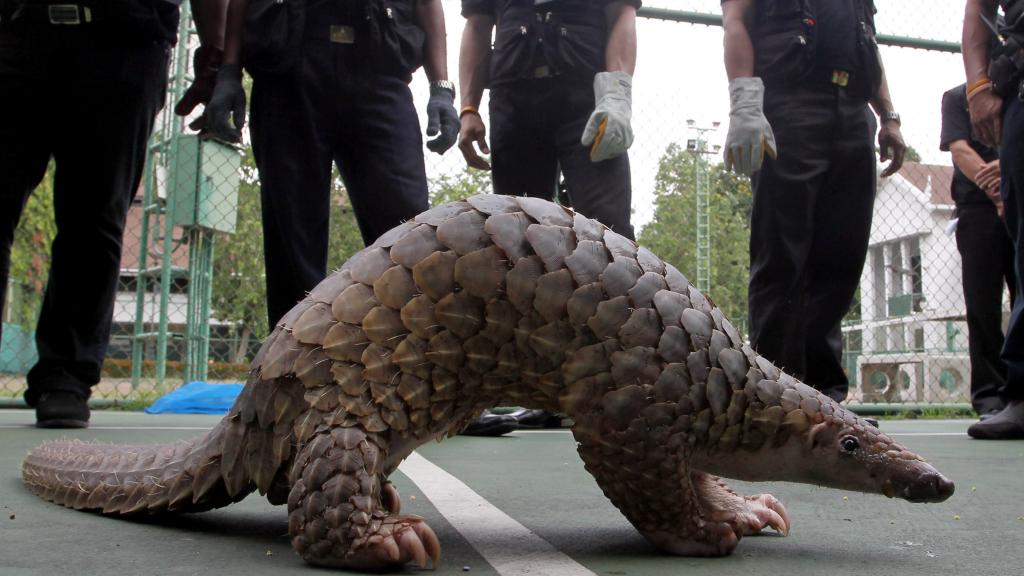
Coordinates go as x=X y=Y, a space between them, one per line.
x=849 y=444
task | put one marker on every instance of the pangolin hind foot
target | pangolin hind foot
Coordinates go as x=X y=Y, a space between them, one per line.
x=500 y=300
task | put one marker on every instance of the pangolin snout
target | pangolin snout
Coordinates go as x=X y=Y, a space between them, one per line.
x=929 y=487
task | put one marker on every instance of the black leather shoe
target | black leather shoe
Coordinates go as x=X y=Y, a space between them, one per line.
x=1005 y=425
x=989 y=413
x=62 y=410
x=490 y=424
x=528 y=418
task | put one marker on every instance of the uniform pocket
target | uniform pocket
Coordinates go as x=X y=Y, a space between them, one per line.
x=273 y=35
x=512 y=52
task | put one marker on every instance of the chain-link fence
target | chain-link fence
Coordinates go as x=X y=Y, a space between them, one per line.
x=191 y=299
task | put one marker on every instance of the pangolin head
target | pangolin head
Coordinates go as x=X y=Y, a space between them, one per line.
x=849 y=453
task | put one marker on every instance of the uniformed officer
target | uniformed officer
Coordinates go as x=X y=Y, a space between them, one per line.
x=561 y=79
x=994 y=98
x=986 y=252
x=801 y=75
x=81 y=84
x=341 y=96
x=560 y=76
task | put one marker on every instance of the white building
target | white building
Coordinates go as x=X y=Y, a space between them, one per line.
x=909 y=343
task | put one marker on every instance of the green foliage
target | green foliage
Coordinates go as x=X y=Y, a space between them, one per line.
x=672 y=233
x=448 y=188
x=912 y=155
x=30 y=255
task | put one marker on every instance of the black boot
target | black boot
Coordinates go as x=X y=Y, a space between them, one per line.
x=528 y=418
x=1006 y=425
x=62 y=409
x=490 y=424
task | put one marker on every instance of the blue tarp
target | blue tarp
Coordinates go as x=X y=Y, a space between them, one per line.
x=197 y=398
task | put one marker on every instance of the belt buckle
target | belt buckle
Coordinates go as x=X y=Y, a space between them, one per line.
x=343 y=34
x=840 y=78
x=542 y=71
x=68 y=14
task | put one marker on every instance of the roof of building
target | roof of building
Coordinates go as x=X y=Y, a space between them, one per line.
x=940 y=177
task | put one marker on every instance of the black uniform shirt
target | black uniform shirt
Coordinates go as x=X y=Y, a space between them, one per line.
x=837 y=35
x=956 y=125
x=530 y=43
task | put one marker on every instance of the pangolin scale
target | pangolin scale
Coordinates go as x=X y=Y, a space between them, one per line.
x=499 y=300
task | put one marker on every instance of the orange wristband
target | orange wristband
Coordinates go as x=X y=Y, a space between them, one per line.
x=469 y=110
x=977 y=86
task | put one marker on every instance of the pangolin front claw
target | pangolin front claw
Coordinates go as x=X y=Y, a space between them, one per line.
x=399 y=540
x=769 y=512
x=392 y=501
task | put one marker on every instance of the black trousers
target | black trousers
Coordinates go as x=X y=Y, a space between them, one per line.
x=1011 y=160
x=329 y=110
x=69 y=95
x=809 y=231
x=986 y=258
x=536 y=126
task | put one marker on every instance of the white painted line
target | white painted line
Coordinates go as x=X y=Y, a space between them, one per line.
x=567 y=431
x=508 y=546
x=964 y=433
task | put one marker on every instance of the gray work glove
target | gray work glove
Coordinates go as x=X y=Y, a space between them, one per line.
x=225 y=114
x=750 y=135
x=442 y=119
x=608 y=132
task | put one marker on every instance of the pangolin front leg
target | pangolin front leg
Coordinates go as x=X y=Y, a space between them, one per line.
x=746 y=514
x=651 y=487
x=343 y=513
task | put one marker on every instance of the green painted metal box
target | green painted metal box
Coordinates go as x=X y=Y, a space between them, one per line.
x=206 y=185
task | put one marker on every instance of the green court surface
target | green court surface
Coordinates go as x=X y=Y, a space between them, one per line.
x=523 y=504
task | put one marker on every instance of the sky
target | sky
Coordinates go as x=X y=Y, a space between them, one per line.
x=680 y=76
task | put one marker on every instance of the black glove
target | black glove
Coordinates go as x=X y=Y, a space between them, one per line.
x=205 y=65
x=225 y=114
x=442 y=118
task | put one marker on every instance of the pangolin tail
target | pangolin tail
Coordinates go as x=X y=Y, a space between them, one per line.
x=186 y=476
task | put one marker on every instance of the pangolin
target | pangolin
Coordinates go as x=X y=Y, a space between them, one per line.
x=499 y=300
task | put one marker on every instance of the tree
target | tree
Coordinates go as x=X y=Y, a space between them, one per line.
x=469 y=182
x=30 y=254
x=672 y=233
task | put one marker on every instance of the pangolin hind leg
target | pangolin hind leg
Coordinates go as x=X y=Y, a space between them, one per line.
x=651 y=486
x=343 y=513
x=746 y=514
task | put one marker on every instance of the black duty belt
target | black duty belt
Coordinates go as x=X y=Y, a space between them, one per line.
x=56 y=14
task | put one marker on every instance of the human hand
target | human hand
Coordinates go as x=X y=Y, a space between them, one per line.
x=473 y=132
x=225 y=114
x=986 y=110
x=988 y=175
x=891 y=147
x=608 y=132
x=442 y=119
x=205 y=65
x=750 y=135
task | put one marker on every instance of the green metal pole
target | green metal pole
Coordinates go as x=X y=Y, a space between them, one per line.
x=197 y=340
x=141 y=278
x=172 y=143
x=703 y=222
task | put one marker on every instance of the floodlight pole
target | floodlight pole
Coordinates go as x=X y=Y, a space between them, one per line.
x=698 y=146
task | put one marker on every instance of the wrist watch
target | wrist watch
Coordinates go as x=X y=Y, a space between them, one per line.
x=443 y=85
x=893 y=116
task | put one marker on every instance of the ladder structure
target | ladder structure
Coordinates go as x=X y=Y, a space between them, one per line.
x=189 y=194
